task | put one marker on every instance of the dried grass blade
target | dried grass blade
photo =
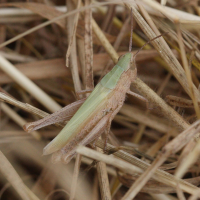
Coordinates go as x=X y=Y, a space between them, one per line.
x=73 y=34
x=103 y=178
x=162 y=197
x=188 y=159
x=153 y=186
x=187 y=71
x=150 y=120
x=88 y=49
x=16 y=57
x=81 y=57
x=166 y=53
x=165 y=27
x=18 y=119
x=116 y=45
x=166 y=110
x=180 y=193
x=24 y=106
x=174 y=15
x=108 y=159
x=122 y=33
x=28 y=85
x=46 y=182
x=38 y=8
x=75 y=177
x=160 y=175
x=104 y=41
x=132 y=169
x=156 y=146
x=11 y=175
x=195 y=196
x=73 y=56
x=172 y=147
x=39 y=70
x=56 y=67
x=107 y=23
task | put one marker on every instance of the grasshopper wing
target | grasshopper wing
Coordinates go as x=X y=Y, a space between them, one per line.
x=94 y=103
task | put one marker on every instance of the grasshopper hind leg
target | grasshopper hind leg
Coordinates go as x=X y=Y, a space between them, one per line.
x=65 y=157
x=59 y=116
x=107 y=131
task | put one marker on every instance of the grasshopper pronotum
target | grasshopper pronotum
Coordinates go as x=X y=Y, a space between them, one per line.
x=94 y=115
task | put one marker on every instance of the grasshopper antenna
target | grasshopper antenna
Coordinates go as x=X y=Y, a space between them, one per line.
x=131 y=37
x=149 y=42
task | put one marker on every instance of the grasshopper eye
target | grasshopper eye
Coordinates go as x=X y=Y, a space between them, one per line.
x=120 y=57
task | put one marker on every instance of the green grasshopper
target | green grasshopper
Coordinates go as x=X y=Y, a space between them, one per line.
x=94 y=115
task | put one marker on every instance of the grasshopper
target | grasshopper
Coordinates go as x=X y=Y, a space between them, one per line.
x=94 y=115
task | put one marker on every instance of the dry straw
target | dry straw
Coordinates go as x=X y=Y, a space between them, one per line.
x=163 y=142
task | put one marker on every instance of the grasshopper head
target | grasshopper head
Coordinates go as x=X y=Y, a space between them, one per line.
x=124 y=61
